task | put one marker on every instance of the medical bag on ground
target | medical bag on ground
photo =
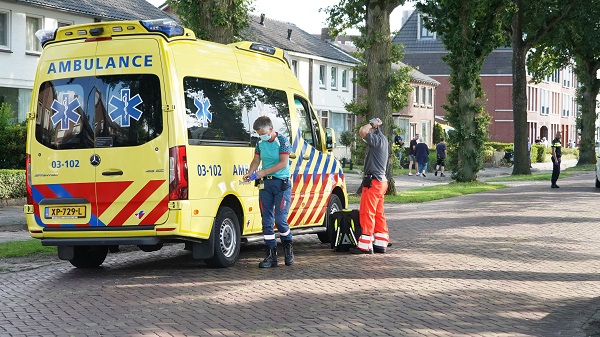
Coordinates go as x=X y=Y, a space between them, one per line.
x=346 y=230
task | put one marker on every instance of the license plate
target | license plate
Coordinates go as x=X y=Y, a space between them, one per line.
x=65 y=212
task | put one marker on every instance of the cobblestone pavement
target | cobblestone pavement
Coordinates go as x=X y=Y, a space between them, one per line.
x=521 y=261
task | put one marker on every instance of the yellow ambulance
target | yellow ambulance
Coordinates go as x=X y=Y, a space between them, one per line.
x=139 y=134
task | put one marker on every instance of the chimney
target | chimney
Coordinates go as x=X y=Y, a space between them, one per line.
x=289 y=35
x=262 y=19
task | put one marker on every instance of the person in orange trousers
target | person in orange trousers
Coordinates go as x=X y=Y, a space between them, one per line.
x=374 y=228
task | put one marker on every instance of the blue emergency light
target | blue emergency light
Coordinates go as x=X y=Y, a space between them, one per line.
x=166 y=26
x=45 y=35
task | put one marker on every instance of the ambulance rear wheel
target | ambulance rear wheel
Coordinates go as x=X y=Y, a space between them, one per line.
x=88 y=256
x=227 y=238
x=335 y=205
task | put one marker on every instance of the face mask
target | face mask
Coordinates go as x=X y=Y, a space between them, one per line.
x=265 y=137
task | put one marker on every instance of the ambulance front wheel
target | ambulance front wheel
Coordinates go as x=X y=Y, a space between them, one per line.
x=335 y=205
x=227 y=239
x=88 y=256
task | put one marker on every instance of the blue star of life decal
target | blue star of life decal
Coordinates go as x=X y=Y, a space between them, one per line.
x=202 y=103
x=124 y=108
x=65 y=112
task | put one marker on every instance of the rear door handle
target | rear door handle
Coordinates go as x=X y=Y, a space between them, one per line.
x=306 y=157
x=112 y=173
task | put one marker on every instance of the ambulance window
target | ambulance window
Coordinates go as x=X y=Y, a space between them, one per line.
x=273 y=103
x=214 y=113
x=128 y=110
x=65 y=115
x=309 y=127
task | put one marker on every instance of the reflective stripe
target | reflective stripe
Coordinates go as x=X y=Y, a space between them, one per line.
x=283 y=234
x=364 y=242
x=382 y=236
x=380 y=243
x=270 y=237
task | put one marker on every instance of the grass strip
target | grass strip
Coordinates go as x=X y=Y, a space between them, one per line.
x=32 y=247
x=431 y=193
x=586 y=167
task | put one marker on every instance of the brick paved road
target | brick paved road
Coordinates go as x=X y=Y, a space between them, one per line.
x=522 y=261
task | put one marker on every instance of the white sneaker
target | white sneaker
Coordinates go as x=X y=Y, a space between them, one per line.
x=418 y=174
x=410 y=174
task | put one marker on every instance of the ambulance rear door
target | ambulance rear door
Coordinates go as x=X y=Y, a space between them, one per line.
x=131 y=138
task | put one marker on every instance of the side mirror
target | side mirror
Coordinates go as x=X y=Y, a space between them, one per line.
x=329 y=138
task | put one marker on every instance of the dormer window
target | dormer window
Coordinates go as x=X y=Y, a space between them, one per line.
x=424 y=34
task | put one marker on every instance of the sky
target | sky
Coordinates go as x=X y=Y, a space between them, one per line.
x=304 y=13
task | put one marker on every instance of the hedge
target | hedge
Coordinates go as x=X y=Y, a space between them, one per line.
x=12 y=184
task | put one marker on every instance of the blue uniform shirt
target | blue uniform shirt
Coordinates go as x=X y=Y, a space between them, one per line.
x=269 y=152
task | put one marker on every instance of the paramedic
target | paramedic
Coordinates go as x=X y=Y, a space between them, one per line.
x=273 y=150
x=374 y=227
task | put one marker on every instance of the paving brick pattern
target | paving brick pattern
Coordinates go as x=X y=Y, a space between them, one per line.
x=521 y=261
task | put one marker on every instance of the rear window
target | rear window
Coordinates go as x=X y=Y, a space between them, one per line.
x=104 y=111
x=219 y=112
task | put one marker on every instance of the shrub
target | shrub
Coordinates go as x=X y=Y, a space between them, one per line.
x=538 y=153
x=497 y=146
x=12 y=184
x=12 y=140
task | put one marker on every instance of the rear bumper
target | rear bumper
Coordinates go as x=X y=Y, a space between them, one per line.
x=101 y=241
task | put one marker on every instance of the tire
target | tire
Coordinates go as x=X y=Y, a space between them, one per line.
x=88 y=256
x=334 y=205
x=227 y=239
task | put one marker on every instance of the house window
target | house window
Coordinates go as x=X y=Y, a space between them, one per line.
x=416 y=94
x=345 y=79
x=333 y=77
x=423 y=32
x=425 y=127
x=4 y=33
x=423 y=95
x=567 y=102
x=567 y=74
x=325 y=118
x=295 y=67
x=555 y=78
x=545 y=102
x=33 y=24
x=322 y=76
x=429 y=96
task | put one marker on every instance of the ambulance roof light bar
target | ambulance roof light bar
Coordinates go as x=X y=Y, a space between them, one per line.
x=166 y=26
x=45 y=35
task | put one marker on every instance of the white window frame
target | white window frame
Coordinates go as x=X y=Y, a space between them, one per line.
x=36 y=43
x=333 y=78
x=63 y=23
x=429 y=96
x=567 y=77
x=322 y=75
x=324 y=116
x=416 y=92
x=345 y=79
x=423 y=94
x=295 y=67
x=8 y=26
x=429 y=35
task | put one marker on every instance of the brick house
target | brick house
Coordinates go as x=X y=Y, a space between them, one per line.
x=551 y=104
x=20 y=49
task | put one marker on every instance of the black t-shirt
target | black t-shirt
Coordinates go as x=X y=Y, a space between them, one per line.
x=413 y=145
x=398 y=140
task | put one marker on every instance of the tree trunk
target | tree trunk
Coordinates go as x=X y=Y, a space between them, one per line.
x=521 y=164
x=588 y=92
x=220 y=32
x=377 y=60
x=467 y=148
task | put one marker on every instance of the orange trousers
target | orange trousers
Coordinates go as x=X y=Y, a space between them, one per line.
x=372 y=218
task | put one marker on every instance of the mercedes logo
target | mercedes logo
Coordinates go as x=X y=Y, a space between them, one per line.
x=95 y=160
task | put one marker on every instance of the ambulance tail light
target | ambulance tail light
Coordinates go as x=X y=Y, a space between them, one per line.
x=166 y=26
x=28 y=179
x=178 y=173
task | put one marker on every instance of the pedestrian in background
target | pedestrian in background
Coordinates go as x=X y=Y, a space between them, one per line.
x=273 y=150
x=556 y=154
x=411 y=155
x=400 y=143
x=440 y=150
x=422 y=156
x=374 y=237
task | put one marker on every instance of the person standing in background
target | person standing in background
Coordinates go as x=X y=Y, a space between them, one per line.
x=440 y=150
x=411 y=155
x=422 y=155
x=556 y=154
